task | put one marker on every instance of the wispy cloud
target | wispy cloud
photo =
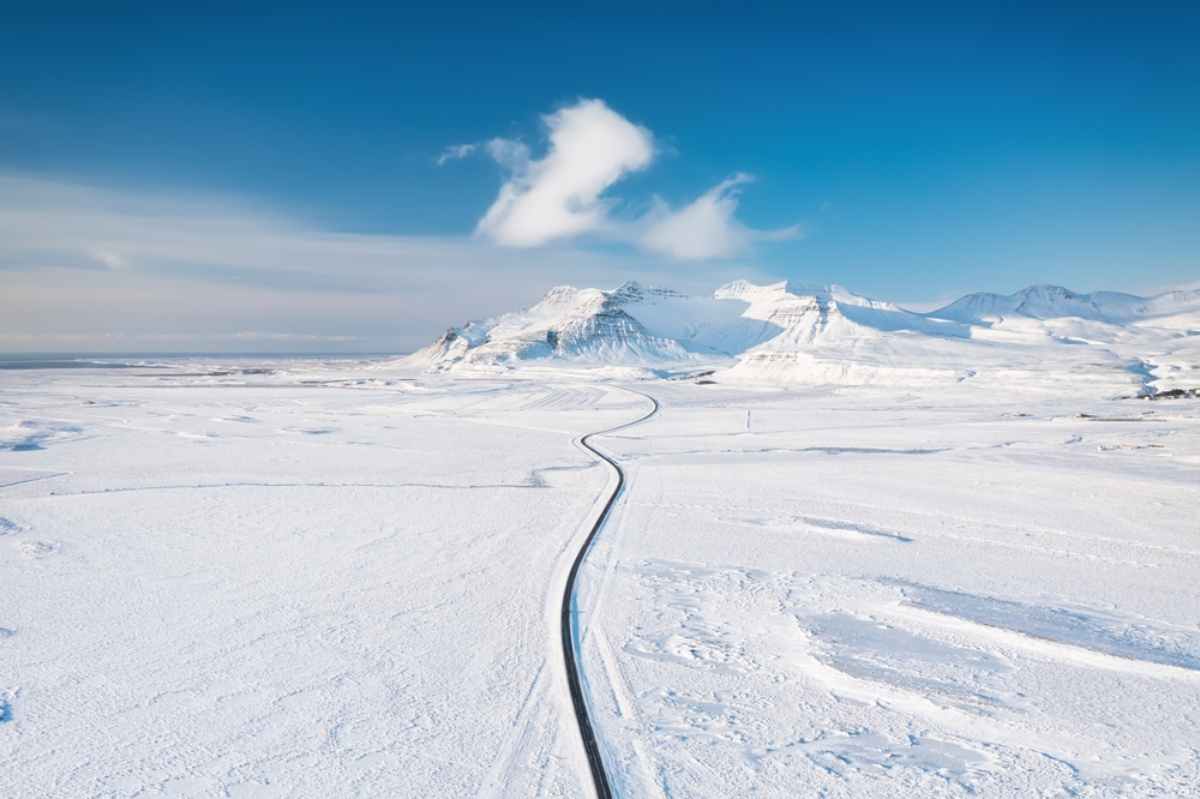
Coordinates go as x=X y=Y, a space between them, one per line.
x=707 y=227
x=559 y=196
x=562 y=195
x=129 y=270
x=456 y=152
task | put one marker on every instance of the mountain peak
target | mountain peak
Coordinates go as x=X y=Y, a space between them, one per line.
x=779 y=332
x=1044 y=301
x=560 y=294
x=1045 y=290
x=744 y=290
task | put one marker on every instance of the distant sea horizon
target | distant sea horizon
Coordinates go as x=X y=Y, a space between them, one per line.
x=145 y=360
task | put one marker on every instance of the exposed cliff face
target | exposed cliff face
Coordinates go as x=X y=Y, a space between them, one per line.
x=779 y=333
x=585 y=325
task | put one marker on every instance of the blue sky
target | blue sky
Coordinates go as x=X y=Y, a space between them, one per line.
x=224 y=180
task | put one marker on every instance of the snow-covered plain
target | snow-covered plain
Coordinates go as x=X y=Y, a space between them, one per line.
x=331 y=578
x=846 y=593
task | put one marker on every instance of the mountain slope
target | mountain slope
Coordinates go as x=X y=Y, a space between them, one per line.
x=630 y=325
x=1043 y=337
x=570 y=323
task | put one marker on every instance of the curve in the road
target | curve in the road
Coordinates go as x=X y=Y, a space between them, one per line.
x=590 y=745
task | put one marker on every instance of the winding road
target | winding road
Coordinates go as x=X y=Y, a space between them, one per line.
x=574 y=679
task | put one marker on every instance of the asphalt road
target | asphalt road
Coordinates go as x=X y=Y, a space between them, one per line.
x=574 y=681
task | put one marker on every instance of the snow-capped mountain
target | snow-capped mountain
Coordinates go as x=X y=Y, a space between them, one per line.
x=1056 y=302
x=778 y=333
x=570 y=323
x=630 y=325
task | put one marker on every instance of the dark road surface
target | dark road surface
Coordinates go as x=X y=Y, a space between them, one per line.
x=586 y=731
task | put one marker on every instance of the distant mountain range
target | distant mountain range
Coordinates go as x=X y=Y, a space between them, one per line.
x=1042 y=337
x=1056 y=302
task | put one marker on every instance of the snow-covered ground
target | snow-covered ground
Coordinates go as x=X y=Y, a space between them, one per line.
x=331 y=578
x=840 y=593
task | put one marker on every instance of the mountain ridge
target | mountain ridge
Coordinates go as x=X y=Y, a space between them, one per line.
x=782 y=333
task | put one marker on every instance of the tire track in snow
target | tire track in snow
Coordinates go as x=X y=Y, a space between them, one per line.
x=522 y=725
x=570 y=640
x=626 y=708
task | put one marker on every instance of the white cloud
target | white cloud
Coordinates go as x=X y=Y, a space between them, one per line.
x=84 y=268
x=510 y=154
x=559 y=196
x=707 y=227
x=110 y=260
x=456 y=152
